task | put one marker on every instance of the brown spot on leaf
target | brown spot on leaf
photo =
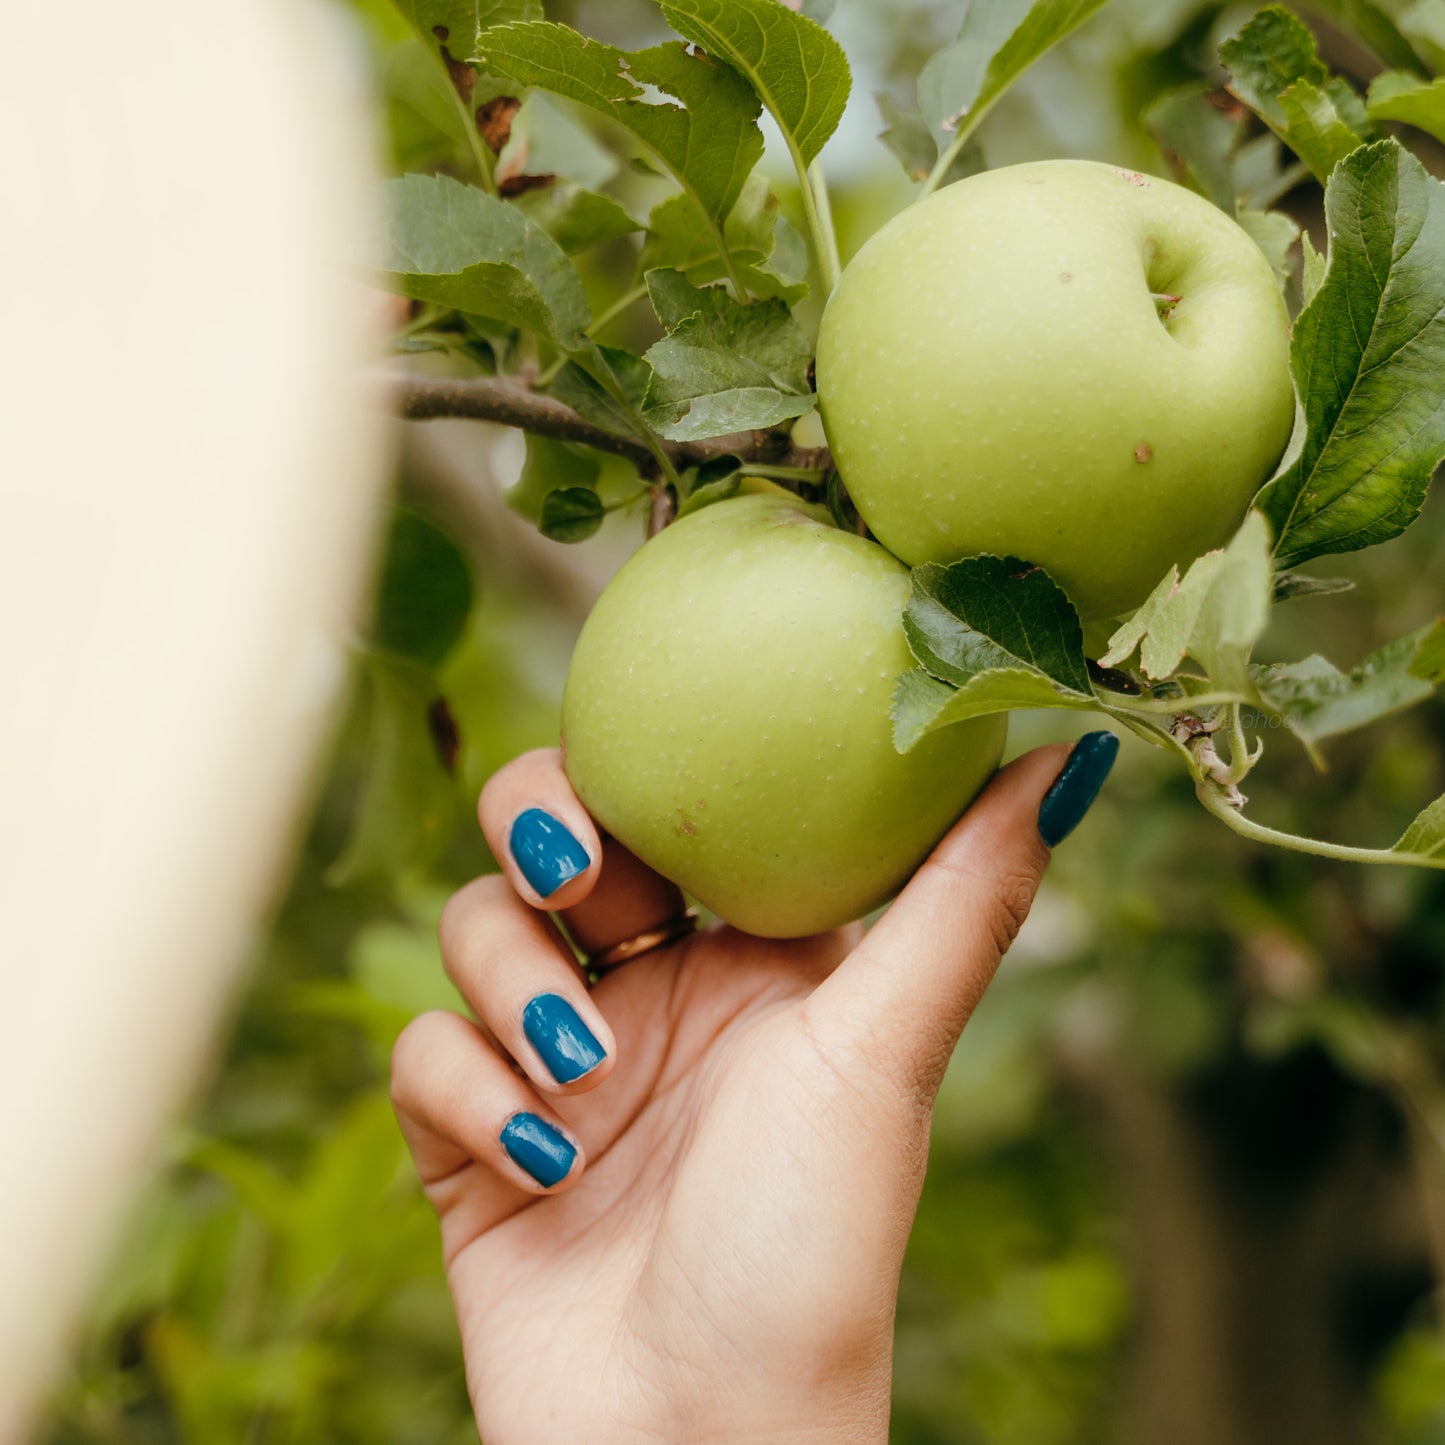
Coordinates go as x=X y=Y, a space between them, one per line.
x=1113 y=679
x=463 y=77
x=517 y=185
x=494 y=121
x=1143 y=453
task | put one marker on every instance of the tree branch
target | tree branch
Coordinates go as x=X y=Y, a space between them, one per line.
x=509 y=402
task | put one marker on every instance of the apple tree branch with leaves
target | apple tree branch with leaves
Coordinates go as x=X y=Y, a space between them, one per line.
x=712 y=406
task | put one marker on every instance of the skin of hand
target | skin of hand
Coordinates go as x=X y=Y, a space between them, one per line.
x=741 y=1160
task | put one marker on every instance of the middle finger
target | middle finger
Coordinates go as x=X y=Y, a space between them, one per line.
x=518 y=975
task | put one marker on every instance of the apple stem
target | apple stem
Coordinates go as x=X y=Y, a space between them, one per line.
x=783 y=474
x=662 y=510
x=1165 y=302
x=818 y=212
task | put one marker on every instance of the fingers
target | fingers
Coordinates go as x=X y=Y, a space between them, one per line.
x=541 y=835
x=629 y=899
x=514 y=969
x=460 y=1105
x=899 y=1003
x=553 y=855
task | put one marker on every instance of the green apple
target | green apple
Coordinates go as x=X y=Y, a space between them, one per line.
x=996 y=375
x=727 y=718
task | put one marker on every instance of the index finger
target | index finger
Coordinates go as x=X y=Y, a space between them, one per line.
x=555 y=858
x=539 y=832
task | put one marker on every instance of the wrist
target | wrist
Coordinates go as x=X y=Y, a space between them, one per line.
x=859 y=1418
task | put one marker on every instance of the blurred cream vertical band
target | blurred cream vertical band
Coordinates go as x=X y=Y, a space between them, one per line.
x=189 y=475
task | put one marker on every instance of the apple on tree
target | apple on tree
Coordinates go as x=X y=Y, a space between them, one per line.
x=1061 y=361
x=727 y=718
x=1080 y=368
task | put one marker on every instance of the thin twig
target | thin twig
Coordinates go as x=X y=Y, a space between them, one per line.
x=510 y=403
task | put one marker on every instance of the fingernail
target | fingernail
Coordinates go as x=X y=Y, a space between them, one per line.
x=546 y=852
x=534 y=1145
x=566 y=1045
x=1076 y=787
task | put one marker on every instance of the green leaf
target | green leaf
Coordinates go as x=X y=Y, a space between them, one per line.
x=1429 y=662
x=571 y=514
x=1376 y=28
x=409 y=805
x=335 y=1202
x=1369 y=364
x=704 y=493
x=401 y=966
x=907 y=135
x=1046 y=23
x=1315 y=267
x=462 y=19
x=1198 y=139
x=1425 y=837
x=343 y=1002
x=1397 y=95
x=1261 y=176
x=723 y=366
x=711 y=399
x=1275 y=68
x=795 y=67
x=1423 y=24
x=551 y=466
x=952 y=79
x=590 y=400
x=1314 y=128
x=989 y=613
x=770 y=257
x=578 y=220
x=1215 y=614
x=1270 y=54
x=257 y=1186
x=1296 y=584
x=1275 y=234
x=704 y=129
x=922 y=704
x=457 y=246
x=1319 y=701
x=425 y=594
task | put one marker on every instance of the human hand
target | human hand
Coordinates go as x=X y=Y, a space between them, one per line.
x=681 y=1216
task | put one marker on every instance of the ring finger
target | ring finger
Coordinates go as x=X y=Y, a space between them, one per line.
x=514 y=969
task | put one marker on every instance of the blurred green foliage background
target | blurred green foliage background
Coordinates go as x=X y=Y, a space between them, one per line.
x=1189 y=1165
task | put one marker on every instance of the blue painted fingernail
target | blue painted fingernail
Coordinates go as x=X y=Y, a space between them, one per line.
x=534 y=1145
x=546 y=852
x=566 y=1045
x=1076 y=787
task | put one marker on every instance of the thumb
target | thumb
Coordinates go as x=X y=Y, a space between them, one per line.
x=897 y=1005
